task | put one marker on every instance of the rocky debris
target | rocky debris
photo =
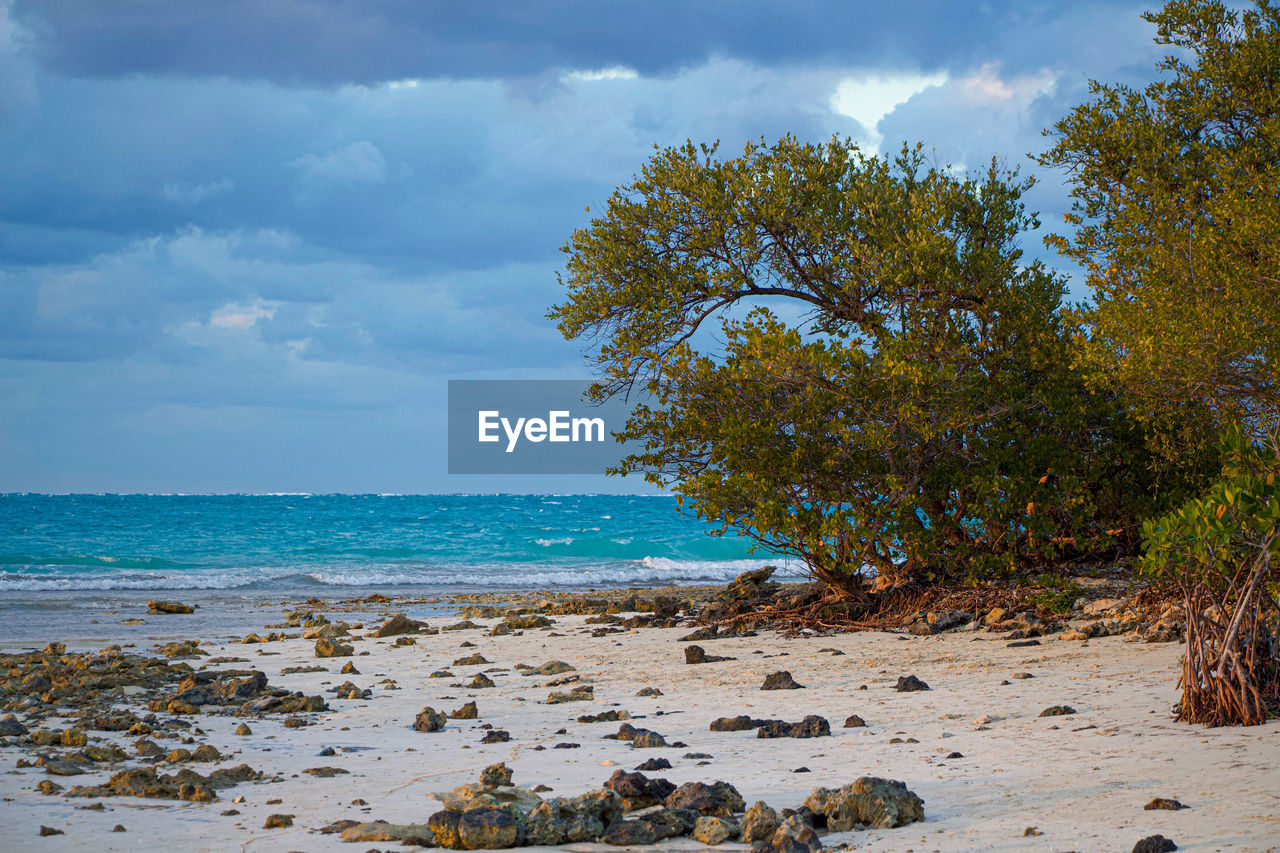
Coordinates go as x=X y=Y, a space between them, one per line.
x=10 y=727
x=169 y=607
x=714 y=830
x=1163 y=804
x=496 y=776
x=853 y=721
x=649 y=691
x=526 y=622
x=183 y=785
x=811 y=726
x=429 y=720
x=648 y=829
x=327 y=632
x=640 y=738
x=348 y=690
x=719 y=799
x=182 y=649
x=1154 y=844
x=612 y=715
x=583 y=693
x=441 y=673
x=560 y=820
x=697 y=655
x=397 y=625
x=464 y=625
x=49 y=830
x=327 y=648
x=481 y=682
x=326 y=772
x=551 y=667
x=468 y=711
x=278 y=821
x=638 y=791
x=740 y=723
x=496 y=736
x=910 y=684
x=780 y=681
x=1057 y=711
x=349 y=668
x=651 y=764
x=471 y=660
x=759 y=823
x=419 y=834
x=793 y=835
x=868 y=801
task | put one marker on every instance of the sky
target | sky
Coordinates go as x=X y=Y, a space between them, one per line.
x=245 y=244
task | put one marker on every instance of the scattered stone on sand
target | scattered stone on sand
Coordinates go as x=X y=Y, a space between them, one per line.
x=1057 y=711
x=464 y=625
x=646 y=738
x=327 y=648
x=638 y=791
x=1023 y=675
x=613 y=715
x=759 y=823
x=652 y=764
x=349 y=668
x=649 y=691
x=780 y=681
x=714 y=830
x=326 y=772
x=278 y=821
x=49 y=830
x=793 y=835
x=853 y=721
x=169 y=607
x=868 y=801
x=811 y=726
x=441 y=673
x=496 y=736
x=468 y=711
x=740 y=723
x=1163 y=804
x=415 y=834
x=584 y=693
x=562 y=820
x=496 y=776
x=696 y=655
x=471 y=660
x=119 y=827
x=481 y=682
x=910 y=684
x=429 y=720
x=397 y=625
x=1154 y=844
x=551 y=667
x=719 y=799
x=184 y=785
x=11 y=727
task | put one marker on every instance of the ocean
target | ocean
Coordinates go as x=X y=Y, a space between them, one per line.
x=294 y=543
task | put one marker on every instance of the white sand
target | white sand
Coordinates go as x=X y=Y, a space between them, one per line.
x=1081 y=780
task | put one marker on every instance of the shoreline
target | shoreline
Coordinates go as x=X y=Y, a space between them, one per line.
x=1081 y=780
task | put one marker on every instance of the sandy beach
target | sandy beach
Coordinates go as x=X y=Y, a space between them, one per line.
x=993 y=773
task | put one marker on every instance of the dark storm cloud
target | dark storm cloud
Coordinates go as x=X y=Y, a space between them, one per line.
x=365 y=41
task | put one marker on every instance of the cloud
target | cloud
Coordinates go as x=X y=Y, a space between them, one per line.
x=358 y=163
x=869 y=98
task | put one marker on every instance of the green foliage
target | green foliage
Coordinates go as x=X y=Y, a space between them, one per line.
x=1216 y=537
x=1176 y=219
x=1057 y=593
x=892 y=385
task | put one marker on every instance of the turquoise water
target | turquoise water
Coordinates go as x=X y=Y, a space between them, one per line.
x=266 y=542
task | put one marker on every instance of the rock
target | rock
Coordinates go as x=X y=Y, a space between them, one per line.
x=713 y=830
x=921 y=628
x=645 y=739
x=444 y=826
x=496 y=776
x=649 y=691
x=568 y=821
x=243 y=730
x=169 y=607
x=638 y=791
x=868 y=801
x=1057 y=711
x=551 y=667
x=48 y=787
x=1023 y=675
x=119 y=827
x=49 y=830
x=696 y=655
x=652 y=764
x=397 y=625
x=429 y=720
x=1163 y=804
x=995 y=616
x=811 y=726
x=613 y=715
x=780 y=681
x=1102 y=606
x=496 y=736
x=1154 y=844
x=758 y=823
x=583 y=693
x=853 y=721
x=469 y=711
x=740 y=723
x=10 y=727
x=948 y=619
x=278 y=821
x=327 y=648
x=719 y=800
x=326 y=772
x=206 y=752
x=793 y=835
x=488 y=829
x=481 y=682
x=418 y=834
x=471 y=660
x=349 y=668
x=629 y=833
x=527 y=621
